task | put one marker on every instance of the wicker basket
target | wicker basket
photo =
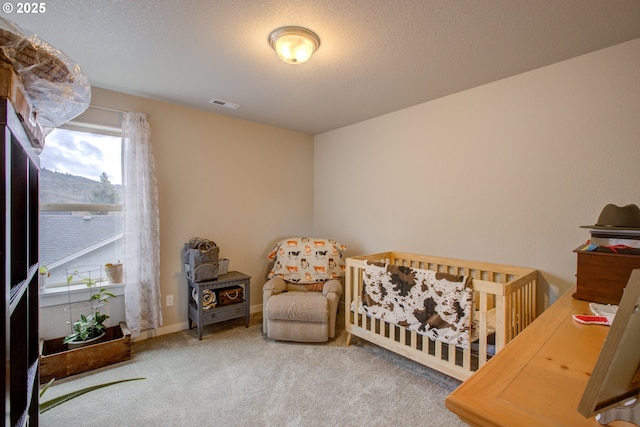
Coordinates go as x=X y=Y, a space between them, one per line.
x=228 y=296
x=223 y=266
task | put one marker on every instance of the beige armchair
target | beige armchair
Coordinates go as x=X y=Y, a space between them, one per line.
x=300 y=299
x=293 y=313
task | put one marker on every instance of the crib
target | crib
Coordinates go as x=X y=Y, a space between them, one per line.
x=503 y=300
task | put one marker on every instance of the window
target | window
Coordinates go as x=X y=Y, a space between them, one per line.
x=80 y=200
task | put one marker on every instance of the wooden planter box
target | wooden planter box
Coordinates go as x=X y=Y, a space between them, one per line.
x=58 y=361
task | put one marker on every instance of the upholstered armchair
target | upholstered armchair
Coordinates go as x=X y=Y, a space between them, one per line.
x=300 y=299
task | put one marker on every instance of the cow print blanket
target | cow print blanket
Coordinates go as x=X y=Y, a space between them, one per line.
x=434 y=304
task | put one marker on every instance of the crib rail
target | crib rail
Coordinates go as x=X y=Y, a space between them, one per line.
x=510 y=290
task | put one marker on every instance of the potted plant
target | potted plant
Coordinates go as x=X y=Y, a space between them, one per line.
x=90 y=327
x=43 y=274
x=114 y=272
x=81 y=351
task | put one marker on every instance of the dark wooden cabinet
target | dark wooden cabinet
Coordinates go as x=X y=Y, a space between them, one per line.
x=601 y=276
x=20 y=212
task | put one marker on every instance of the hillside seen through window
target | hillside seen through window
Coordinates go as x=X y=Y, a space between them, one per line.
x=80 y=202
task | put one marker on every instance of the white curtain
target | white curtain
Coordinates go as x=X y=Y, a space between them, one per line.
x=143 y=309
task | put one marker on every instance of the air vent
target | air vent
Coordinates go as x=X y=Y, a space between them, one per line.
x=225 y=104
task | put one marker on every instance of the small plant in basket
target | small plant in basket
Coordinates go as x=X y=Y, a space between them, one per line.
x=89 y=326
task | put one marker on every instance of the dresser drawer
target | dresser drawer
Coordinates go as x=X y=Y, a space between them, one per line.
x=602 y=276
x=224 y=313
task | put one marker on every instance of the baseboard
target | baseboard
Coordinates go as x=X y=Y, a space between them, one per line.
x=182 y=326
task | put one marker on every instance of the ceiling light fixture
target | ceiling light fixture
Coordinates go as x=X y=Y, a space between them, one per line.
x=294 y=45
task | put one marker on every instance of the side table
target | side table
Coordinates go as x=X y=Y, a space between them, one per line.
x=203 y=316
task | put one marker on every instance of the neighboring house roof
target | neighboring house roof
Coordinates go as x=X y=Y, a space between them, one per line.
x=66 y=237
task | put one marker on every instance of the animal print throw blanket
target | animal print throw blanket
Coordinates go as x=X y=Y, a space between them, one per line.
x=437 y=305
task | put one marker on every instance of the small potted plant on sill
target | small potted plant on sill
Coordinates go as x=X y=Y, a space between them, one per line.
x=114 y=272
x=43 y=275
x=90 y=327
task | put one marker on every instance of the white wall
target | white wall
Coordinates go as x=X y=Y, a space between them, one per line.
x=506 y=172
x=245 y=185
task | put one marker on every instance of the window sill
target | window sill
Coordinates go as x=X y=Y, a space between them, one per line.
x=76 y=293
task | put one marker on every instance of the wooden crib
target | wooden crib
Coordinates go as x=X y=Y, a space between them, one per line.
x=510 y=291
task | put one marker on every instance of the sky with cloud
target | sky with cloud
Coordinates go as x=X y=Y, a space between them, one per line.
x=83 y=154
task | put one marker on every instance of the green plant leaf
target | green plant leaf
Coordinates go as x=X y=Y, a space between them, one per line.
x=100 y=318
x=46 y=386
x=89 y=282
x=45 y=406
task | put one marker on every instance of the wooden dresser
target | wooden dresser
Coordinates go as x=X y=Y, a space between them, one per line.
x=601 y=276
x=539 y=377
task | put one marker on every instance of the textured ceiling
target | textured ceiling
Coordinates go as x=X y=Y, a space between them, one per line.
x=376 y=56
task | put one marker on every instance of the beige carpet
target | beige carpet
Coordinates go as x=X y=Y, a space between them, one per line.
x=237 y=377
